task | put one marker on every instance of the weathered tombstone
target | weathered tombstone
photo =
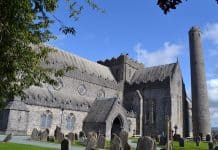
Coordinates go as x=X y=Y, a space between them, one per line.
x=71 y=137
x=123 y=137
x=181 y=142
x=60 y=137
x=56 y=132
x=163 y=140
x=92 y=142
x=82 y=134
x=210 y=145
x=65 y=144
x=76 y=136
x=44 y=135
x=197 y=140
x=50 y=139
x=216 y=148
x=101 y=142
x=116 y=143
x=146 y=143
x=7 y=138
x=157 y=138
x=92 y=134
x=35 y=134
x=126 y=147
x=208 y=138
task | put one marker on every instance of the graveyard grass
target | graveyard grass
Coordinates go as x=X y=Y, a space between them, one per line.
x=13 y=146
x=190 y=145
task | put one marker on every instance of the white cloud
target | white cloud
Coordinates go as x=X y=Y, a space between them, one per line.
x=211 y=32
x=212 y=86
x=164 y=55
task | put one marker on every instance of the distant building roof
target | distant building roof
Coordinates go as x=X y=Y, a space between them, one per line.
x=151 y=74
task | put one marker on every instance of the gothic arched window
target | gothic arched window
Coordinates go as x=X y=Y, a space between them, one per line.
x=46 y=119
x=70 y=121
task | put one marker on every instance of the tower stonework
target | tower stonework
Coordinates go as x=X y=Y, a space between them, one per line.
x=200 y=109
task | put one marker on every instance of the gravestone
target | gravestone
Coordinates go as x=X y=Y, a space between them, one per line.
x=181 y=142
x=65 y=144
x=60 y=137
x=92 y=142
x=197 y=140
x=44 y=135
x=126 y=147
x=51 y=139
x=208 y=138
x=76 y=136
x=116 y=143
x=216 y=148
x=210 y=145
x=71 y=137
x=35 y=134
x=7 y=138
x=56 y=132
x=101 y=142
x=146 y=143
x=123 y=137
x=82 y=134
x=163 y=140
x=216 y=137
x=91 y=134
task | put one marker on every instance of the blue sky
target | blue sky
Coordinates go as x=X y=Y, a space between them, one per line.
x=140 y=29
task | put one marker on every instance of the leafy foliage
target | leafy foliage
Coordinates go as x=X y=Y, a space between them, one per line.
x=24 y=24
x=166 y=5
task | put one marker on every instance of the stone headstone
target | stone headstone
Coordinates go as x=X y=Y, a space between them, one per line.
x=76 y=136
x=71 y=137
x=163 y=140
x=82 y=134
x=51 y=139
x=216 y=148
x=56 y=132
x=7 y=138
x=210 y=145
x=35 y=134
x=44 y=135
x=181 y=142
x=92 y=142
x=116 y=143
x=126 y=147
x=208 y=138
x=101 y=142
x=123 y=137
x=197 y=140
x=65 y=144
x=146 y=143
x=91 y=134
x=60 y=137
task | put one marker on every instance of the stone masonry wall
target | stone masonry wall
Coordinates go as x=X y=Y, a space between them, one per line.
x=58 y=116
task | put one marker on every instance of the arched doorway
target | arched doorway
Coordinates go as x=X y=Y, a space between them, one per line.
x=117 y=126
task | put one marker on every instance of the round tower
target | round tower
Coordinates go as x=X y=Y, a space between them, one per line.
x=200 y=109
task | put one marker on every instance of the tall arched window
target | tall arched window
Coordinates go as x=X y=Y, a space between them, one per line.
x=70 y=121
x=46 y=119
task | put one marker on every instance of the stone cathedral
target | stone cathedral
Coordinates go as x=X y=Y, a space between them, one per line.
x=105 y=97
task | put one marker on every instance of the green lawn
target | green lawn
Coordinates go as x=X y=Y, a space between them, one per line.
x=13 y=146
x=190 y=146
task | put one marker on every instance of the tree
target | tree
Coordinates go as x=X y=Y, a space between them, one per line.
x=23 y=25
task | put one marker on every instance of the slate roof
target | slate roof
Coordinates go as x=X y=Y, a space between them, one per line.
x=62 y=58
x=151 y=74
x=100 y=110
